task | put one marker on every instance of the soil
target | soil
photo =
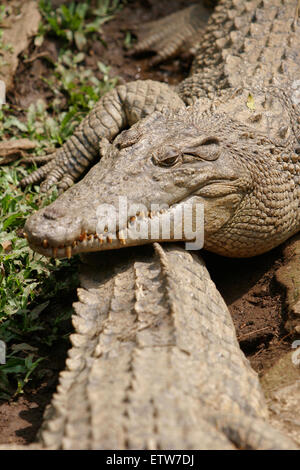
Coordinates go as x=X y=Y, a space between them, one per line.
x=256 y=303
x=255 y=300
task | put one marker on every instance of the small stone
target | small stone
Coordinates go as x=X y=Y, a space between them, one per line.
x=296 y=308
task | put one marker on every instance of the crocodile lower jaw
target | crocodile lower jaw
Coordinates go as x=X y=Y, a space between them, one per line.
x=92 y=243
x=139 y=231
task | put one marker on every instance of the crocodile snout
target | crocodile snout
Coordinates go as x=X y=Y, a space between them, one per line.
x=54 y=213
x=50 y=229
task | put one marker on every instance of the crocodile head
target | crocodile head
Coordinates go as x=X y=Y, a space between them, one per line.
x=155 y=169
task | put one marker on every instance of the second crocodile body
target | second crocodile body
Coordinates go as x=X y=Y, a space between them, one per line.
x=229 y=139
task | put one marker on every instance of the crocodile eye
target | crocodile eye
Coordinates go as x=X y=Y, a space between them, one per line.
x=169 y=161
x=167 y=157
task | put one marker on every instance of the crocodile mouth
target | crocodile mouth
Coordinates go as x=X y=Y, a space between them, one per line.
x=66 y=237
x=155 y=226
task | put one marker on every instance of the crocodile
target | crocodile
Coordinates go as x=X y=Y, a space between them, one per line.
x=227 y=138
x=155 y=362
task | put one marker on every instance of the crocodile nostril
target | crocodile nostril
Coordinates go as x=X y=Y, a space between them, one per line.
x=53 y=213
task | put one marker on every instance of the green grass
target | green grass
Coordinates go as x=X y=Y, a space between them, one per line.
x=29 y=282
x=74 y=23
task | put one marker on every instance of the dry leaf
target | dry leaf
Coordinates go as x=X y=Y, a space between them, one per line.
x=10 y=150
x=20 y=26
x=6 y=245
x=250 y=102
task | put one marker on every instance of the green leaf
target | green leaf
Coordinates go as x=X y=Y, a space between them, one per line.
x=9 y=221
x=78 y=57
x=80 y=40
x=69 y=35
x=38 y=40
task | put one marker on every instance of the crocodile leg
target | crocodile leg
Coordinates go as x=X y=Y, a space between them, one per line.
x=117 y=110
x=155 y=363
x=175 y=32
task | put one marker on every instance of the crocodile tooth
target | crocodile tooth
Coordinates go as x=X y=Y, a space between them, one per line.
x=25 y=235
x=121 y=238
x=82 y=237
x=109 y=239
x=54 y=252
x=68 y=251
x=100 y=237
x=45 y=243
x=74 y=243
x=90 y=237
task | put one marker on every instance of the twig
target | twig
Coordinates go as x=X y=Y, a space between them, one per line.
x=37 y=56
x=253 y=332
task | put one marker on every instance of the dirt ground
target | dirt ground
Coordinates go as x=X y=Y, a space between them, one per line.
x=256 y=301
